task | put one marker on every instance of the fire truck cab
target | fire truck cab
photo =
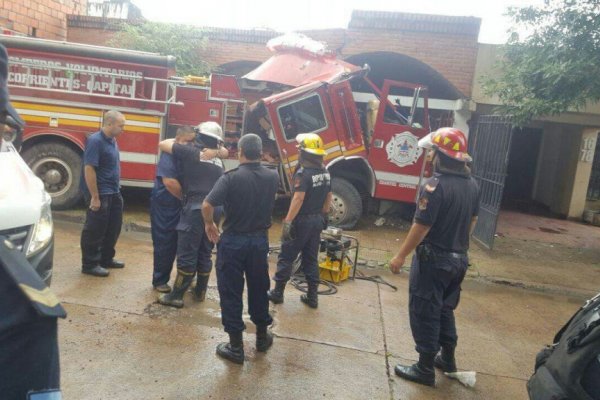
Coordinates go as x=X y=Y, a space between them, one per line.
x=372 y=150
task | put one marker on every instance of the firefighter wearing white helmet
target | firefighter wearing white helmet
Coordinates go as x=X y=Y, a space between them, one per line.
x=209 y=134
x=446 y=214
x=200 y=167
x=306 y=218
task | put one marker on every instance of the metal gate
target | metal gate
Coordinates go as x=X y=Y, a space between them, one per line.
x=490 y=147
x=594 y=185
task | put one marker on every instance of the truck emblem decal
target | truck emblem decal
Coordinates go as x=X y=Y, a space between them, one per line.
x=403 y=150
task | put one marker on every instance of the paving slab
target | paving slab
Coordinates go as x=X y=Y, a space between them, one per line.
x=500 y=328
x=351 y=318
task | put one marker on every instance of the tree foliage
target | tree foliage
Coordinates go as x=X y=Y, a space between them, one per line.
x=182 y=41
x=556 y=68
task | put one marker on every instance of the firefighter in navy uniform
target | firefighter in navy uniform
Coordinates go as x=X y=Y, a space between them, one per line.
x=200 y=169
x=446 y=214
x=248 y=196
x=165 y=209
x=306 y=218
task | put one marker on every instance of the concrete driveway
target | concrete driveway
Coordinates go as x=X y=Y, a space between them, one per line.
x=117 y=343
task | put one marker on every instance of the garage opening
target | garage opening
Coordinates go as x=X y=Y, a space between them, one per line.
x=521 y=172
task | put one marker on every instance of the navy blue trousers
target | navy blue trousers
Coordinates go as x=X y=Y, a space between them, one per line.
x=164 y=216
x=101 y=231
x=307 y=238
x=194 y=250
x=434 y=293
x=242 y=256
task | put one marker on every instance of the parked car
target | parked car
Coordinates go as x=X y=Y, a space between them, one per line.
x=25 y=215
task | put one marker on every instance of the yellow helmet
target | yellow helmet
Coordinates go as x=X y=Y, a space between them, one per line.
x=311 y=143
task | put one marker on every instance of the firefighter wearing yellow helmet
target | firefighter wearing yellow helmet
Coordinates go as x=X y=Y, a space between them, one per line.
x=306 y=218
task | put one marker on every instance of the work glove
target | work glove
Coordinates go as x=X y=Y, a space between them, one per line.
x=286 y=232
x=325 y=220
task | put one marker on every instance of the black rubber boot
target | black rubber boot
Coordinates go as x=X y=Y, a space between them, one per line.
x=446 y=361
x=422 y=372
x=276 y=294
x=264 y=338
x=311 y=298
x=234 y=350
x=175 y=298
x=201 y=286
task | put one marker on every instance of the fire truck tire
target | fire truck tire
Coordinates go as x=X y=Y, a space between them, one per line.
x=59 y=167
x=346 y=205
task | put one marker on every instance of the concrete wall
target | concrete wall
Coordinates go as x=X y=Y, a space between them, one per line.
x=583 y=172
x=562 y=176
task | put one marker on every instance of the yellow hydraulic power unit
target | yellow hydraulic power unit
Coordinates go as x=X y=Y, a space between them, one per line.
x=337 y=265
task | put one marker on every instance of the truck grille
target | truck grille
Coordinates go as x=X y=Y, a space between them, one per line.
x=17 y=236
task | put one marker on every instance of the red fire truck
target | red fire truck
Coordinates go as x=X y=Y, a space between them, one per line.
x=61 y=90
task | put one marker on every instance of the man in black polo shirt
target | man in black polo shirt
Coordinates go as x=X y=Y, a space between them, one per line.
x=104 y=215
x=200 y=169
x=446 y=214
x=248 y=195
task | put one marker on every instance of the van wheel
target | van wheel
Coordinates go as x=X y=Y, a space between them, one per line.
x=346 y=204
x=59 y=167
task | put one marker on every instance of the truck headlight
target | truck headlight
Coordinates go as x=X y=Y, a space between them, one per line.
x=43 y=229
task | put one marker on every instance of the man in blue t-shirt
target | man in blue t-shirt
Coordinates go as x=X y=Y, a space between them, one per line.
x=104 y=216
x=165 y=209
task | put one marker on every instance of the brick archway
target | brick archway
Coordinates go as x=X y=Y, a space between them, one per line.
x=400 y=67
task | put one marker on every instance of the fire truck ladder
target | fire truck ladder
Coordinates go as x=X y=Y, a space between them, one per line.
x=54 y=73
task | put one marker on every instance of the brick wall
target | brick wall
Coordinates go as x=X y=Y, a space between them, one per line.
x=48 y=17
x=446 y=44
x=452 y=55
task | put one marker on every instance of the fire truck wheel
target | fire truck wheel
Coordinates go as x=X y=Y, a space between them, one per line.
x=59 y=167
x=346 y=205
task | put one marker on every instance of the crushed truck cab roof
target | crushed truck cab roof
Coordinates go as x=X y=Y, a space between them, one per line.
x=298 y=61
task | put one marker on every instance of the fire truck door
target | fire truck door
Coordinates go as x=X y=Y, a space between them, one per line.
x=302 y=112
x=346 y=119
x=402 y=119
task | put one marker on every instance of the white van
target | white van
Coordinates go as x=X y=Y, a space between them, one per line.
x=25 y=217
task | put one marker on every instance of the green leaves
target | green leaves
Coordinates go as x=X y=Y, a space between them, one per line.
x=556 y=68
x=182 y=41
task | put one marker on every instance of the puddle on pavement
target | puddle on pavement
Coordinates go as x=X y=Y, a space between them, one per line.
x=207 y=313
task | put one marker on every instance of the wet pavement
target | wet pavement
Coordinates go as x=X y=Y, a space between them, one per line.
x=117 y=343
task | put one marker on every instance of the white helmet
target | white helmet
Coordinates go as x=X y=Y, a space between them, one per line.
x=425 y=142
x=210 y=129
